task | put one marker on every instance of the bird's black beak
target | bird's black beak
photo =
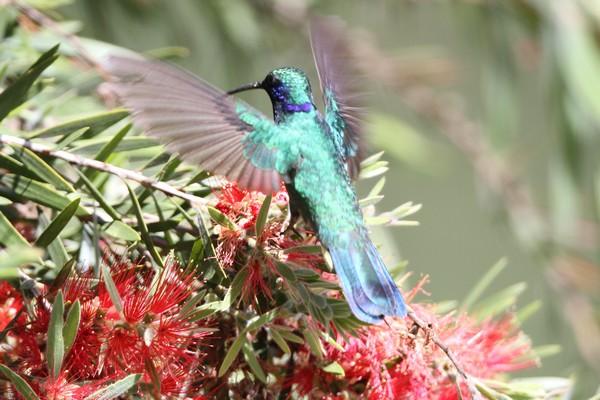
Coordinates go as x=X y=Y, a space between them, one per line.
x=250 y=86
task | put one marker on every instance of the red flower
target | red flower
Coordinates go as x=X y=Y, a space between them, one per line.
x=387 y=362
x=10 y=303
x=149 y=330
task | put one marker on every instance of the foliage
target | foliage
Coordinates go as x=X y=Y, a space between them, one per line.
x=125 y=290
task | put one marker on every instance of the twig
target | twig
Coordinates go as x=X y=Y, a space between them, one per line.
x=102 y=166
x=475 y=395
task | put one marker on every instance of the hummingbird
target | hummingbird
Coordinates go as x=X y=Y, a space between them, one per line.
x=315 y=156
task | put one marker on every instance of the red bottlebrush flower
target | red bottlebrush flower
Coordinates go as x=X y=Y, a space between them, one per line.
x=10 y=303
x=387 y=362
x=240 y=205
x=151 y=329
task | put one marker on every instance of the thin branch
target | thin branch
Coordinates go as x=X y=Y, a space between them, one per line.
x=102 y=166
x=475 y=395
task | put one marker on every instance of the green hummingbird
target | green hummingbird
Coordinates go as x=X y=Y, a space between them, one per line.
x=315 y=156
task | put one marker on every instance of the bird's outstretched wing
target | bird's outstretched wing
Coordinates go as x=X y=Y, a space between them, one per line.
x=206 y=126
x=343 y=112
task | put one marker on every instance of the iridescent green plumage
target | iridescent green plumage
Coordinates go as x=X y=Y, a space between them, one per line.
x=315 y=157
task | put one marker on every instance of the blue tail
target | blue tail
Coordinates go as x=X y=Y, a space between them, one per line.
x=366 y=282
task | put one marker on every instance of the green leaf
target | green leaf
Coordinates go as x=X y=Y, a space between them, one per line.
x=55 y=350
x=278 y=338
x=16 y=94
x=260 y=321
x=143 y=228
x=9 y=236
x=94 y=123
x=236 y=287
x=95 y=193
x=41 y=168
x=62 y=276
x=499 y=302
x=57 y=224
x=111 y=288
x=189 y=305
x=334 y=368
x=15 y=257
x=482 y=285
x=56 y=249
x=121 y=230
x=220 y=218
x=71 y=325
x=312 y=339
x=285 y=271
x=39 y=193
x=307 y=274
x=94 y=146
x=231 y=355
x=197 y=253
x=20 y=384
x=116 y=389
x=309 y=249
x=252 y=361
x=261 y=219
x=290 y=337
x=16 y=167
x=106 y=151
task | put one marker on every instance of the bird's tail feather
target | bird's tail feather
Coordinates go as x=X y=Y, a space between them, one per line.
x=366 y=282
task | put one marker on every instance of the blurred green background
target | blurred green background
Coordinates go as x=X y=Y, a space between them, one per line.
x=489 y=113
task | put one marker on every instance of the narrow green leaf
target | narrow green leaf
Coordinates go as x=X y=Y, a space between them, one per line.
x=252 y=361
x=15 y=257
x=499 y=302
x=55 y=350
x=111 y=288
x=39 y=193
x=62 y=276
x=9 y=236
x=95 y=123
x=121 y=230
x=197 y=253
x=482 y=285
x=143 y=228
x=236 y=287
x=95 y=193
x=290 y=337
x=309 y=249
x=280 y=341
x=69 y=138
x=204 y=311
x=16 y=94
x=94 y=146
x=57 y=224
x=189 y=305
x=307 y=274
x=20 y=384
x=334 y=368
x=285 y=271
x=15 y=166
x=260 y=321
x=56 y=249
x=155 y=378
x=116 y=389
x=71 y=325
x=41 y=168
x=523 y=313
x=232 y=353
x=106 y=151
x=261 y=219
x=220 y=218
x=312 y=339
